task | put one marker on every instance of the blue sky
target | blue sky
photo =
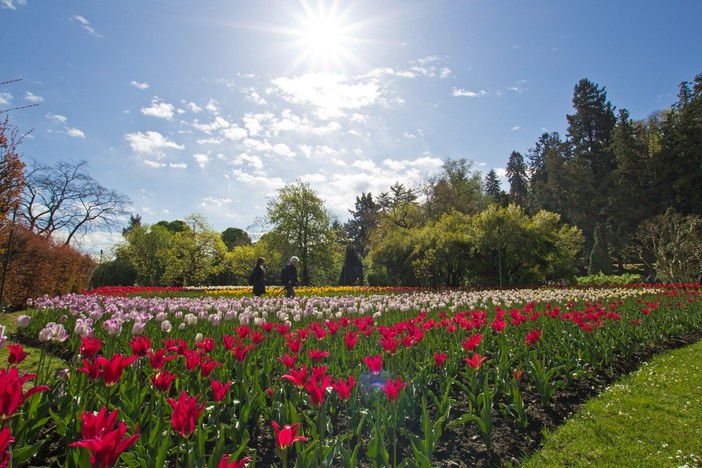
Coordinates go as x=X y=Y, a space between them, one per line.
x=209 y=107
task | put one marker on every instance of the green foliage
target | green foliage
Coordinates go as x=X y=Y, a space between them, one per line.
x=602 y=279
x=674 y=242
x=233 y=237
x=300 y=226
x=496 y=246
x=599 y=258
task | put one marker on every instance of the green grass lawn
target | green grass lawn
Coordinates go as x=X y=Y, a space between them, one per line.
x=31 y=363
x=651 y=418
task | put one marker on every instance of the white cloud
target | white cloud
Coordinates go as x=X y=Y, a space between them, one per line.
x=12 y=4
x=234 y=133
x=212 y=106
x=5 y=99
x=75 y=133
x=217 y=124
x=139 y=85
x=215 y=202
x=201 y=159
x=159 y=109
x=279 y=149
x=321 y=152
x=329 y=94
x=515 y=128
x=156 y=164
x=194 y=108
x=151 y=143
x=459 y=92
x=33 y=98
x=245 y=159
x=209 y=141
x=255 y=123
x=57 y=117
x=180 y=165
x=445 y=72
x=85 y=24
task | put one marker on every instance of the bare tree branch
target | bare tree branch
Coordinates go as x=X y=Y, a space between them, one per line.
x=65 y=199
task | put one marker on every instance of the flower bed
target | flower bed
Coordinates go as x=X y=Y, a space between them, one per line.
x=376 y=380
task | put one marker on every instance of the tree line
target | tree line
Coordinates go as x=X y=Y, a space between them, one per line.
x=612 y=192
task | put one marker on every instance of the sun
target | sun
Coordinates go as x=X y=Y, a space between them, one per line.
x=323 y=36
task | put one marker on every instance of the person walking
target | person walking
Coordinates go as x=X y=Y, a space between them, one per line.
x=288 y=275
x=258 y=277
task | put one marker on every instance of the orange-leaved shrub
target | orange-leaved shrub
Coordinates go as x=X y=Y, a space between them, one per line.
x=38 y=265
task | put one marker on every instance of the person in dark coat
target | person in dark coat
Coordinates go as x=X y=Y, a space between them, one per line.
x=288 y=276
x=258 y=276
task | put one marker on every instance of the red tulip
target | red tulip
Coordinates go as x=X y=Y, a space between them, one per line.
x=498 y=325
x=440 y=359
x=92 y=368
x=256 y=337
x=206 y=345
x=475 y=361
x=392 y=389
x=287 y=436
x=316 y=390
x=319 y=372
x=288 y=361
x=299 y=378
x=140 y=345
x=243 y=331
x=225 y=463
x=472 y=341
x=374 y=363
x=229 y=342
x=186 y=412
x=219 y=390
x=532 y=337
x=12 y=395
x=112 y=369
x=158 y=358
x=317 y=354
x=6 y=440
x=389 y=345
x=343 y=387
x=102 y=439
x=192 y=359
x=89 y=346
x=17 y=354
x=163 y=380
x=294 y=344
x=207 y=365
x=350 y=339
x=241 y=351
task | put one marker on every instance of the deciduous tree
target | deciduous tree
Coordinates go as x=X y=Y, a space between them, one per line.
x=64 y=199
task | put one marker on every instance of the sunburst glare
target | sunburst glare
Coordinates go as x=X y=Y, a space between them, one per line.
x=323 y=36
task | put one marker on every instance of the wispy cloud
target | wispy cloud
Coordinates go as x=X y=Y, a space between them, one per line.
x=33 y=98
x=151 y=143
x=85 y=24
x=12 y=4
x=5 y=99
x=57 y=117
x=139 y=85
x=75 y=133
x=460 y=92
